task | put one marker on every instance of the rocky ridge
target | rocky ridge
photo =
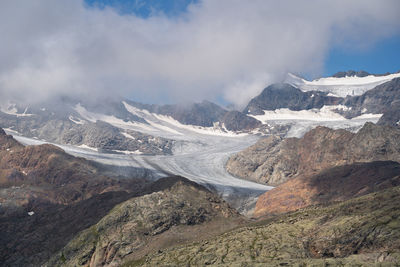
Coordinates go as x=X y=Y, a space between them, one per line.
x=148 y=223
x=47 y=196
x=364 y=231
x=97 y=135
x=284 y=95
x=383 y=99
x=274 y=160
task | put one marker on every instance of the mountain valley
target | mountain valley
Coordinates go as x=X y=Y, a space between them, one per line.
x=306 y=174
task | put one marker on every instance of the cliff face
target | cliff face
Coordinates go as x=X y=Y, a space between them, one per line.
x=278 y=96
x=172 y=214
x=274 y=160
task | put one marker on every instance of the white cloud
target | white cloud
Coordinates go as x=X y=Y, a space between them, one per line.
x=226 y=47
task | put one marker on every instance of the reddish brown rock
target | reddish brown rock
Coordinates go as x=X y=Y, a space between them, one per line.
x=331 y=185
x=274 y=160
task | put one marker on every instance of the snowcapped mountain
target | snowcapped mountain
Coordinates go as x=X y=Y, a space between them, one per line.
x=196 y=140
x=341 y=84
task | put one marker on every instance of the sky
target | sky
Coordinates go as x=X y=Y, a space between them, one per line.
x=165 y=51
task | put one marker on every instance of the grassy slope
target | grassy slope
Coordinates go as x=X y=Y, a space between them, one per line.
x=360 y=232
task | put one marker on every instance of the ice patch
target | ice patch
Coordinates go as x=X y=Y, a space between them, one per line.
x=76 y=120
x=11 y=109
x=128 y=135
x=330 y=94
x=127 y=152
x=368 y=116
x=326 y=113
x=88 y=147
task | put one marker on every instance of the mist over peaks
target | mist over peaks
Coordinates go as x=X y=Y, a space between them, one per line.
x=227 y=48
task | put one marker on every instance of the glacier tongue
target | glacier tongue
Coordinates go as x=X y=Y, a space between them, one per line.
x=201 y=159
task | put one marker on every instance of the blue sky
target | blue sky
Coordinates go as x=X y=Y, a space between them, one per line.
x=144 y=8
x=381 y=57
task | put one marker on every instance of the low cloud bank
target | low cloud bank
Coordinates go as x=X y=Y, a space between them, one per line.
x=228 y=48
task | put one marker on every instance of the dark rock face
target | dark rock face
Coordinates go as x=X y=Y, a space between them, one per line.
x=283 y=95
x=377 y=100
x=237 y=121
x=145 y=222
x=331 y=185
x=350 y=73
x=392 y=115
x=31 y=240
x=274 y=160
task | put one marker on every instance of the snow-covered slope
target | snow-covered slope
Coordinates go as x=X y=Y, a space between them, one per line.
x=304 y=120
x=349 y=85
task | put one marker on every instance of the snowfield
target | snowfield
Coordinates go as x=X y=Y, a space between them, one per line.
x=303 y=121
x=340 y=87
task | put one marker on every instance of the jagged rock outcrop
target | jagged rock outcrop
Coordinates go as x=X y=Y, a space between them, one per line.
x=284 y=95
x=350 y=73
x=364 y=231
x=274 y=160
x=331 y=185
x=144 y=224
